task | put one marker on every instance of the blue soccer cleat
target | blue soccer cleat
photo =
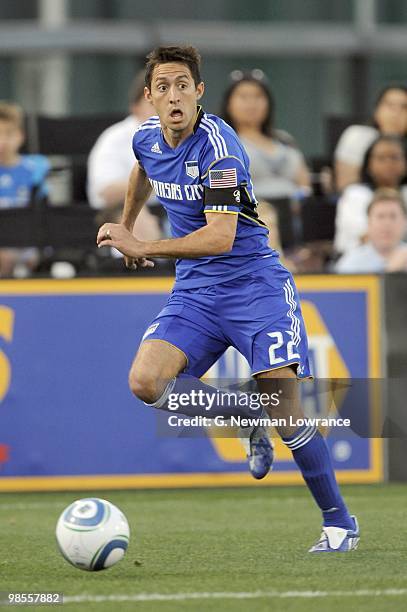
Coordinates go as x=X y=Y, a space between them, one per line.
x=335 y=539
x=259 y=450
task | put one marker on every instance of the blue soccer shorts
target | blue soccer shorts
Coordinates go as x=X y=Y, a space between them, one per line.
x=259 y=314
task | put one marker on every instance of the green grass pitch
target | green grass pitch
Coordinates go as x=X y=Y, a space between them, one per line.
x=250 y=541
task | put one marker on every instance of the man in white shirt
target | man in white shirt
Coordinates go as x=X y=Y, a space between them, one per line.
x=384 y=251
x=112 y=159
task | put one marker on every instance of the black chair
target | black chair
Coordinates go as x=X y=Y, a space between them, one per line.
x=20 y=227
x=334 y=126
x=285 y=218
x=29 y=127
x=40 y=225
x=79 y=175
x=317 y=219
x=71 y=136
x=72 y=227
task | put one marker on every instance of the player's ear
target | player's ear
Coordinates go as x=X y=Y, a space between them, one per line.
x=147 y=94
x=200 y=88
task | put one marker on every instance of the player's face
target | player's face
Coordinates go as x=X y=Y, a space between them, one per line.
x=387 y=164
x=11 y=139
x=387 y=225
x=174 y=95
x=248 y=105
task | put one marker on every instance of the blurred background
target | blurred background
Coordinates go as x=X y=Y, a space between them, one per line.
x=317 y=92
x=69 y=65
x=322 y=58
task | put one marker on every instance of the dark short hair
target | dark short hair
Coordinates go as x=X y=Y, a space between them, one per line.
x=268 y=123
x=187 y=55
x=387 y=195
x=365 y=176
x=136 y=89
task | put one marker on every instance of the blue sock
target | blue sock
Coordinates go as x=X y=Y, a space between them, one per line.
x=311 y=454
x=197 y=404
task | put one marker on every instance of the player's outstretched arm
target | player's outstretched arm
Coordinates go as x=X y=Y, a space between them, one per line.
x=138 y=192
x=214 y=238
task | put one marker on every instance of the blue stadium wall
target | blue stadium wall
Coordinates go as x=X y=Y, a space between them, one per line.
x=69 y=421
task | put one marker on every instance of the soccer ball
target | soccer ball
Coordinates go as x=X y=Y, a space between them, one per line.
x=92 y=534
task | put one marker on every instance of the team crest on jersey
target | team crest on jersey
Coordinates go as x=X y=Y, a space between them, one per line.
x=191 y=168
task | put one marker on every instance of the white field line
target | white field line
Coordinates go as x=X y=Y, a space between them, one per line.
x=235 y=595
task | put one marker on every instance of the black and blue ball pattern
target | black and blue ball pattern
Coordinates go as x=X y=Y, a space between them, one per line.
x=86 y=514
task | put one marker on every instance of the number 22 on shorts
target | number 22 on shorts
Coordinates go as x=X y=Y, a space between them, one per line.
x=279 y=342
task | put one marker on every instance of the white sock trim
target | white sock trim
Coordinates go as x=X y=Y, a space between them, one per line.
x=164 y=397
x=304 y=437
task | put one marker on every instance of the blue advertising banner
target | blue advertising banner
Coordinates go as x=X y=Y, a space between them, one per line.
x=69 y=421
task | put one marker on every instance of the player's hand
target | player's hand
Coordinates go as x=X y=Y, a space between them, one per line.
x=141 y=262
x=118 y=236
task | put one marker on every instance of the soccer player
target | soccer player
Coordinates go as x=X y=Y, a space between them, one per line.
x=230 y=288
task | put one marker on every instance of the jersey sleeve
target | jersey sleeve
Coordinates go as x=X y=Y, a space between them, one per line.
x=225 y=175
x=136 y=149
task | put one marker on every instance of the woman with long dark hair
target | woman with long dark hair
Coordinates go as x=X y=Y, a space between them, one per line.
x=389 y=118
x=277 y=167
x=384 y=166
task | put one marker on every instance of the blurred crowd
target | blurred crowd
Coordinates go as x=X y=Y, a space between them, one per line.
x=347 y=214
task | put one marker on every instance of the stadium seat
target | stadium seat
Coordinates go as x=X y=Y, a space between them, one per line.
x=72 y=136
x=42 y=226
x=334 y=125
x=21 y=227
x=285 y=221
x=317 y=219
x=69 y=140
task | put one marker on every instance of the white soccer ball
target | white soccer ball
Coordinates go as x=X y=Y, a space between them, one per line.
x=92 y=534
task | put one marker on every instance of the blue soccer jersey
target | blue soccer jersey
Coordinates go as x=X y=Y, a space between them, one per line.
x=207 y=172
x=19 y=183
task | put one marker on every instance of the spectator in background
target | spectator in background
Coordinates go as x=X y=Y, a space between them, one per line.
x=389 y=118
x=277 y=167
x=384 y=250
x=384 y=165
x=112 y=159
x=22 y=181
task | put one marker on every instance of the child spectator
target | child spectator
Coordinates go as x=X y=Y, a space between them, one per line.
x=22 y=181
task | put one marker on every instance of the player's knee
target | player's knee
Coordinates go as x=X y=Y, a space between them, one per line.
x=143 y=386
